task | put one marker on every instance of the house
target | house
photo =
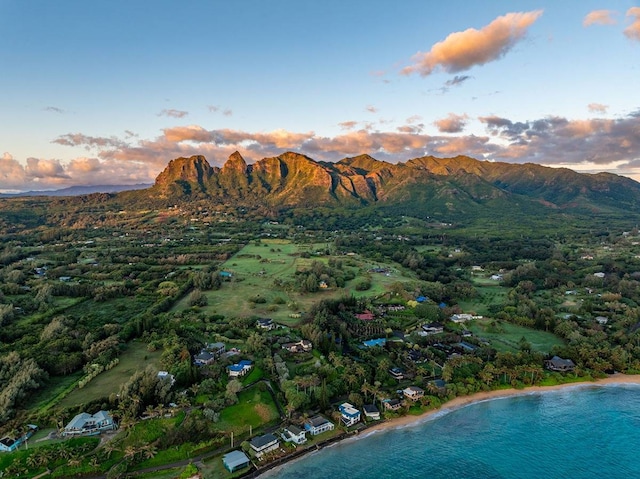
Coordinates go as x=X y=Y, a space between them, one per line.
x=556 y=363
x=349 y=415
x=264 y=444
x=89 y=425
x=365 y=316
x=599 y=275
x=397 y=373
x=318 y=424
x=240 y=369
x=461 y=318
x=294 y=434
x=8 y=444
x=413 y=392
x=497 y=277
x=235 y=460
x=164 y=375
x=225 y=274
x=371 y=411
x=302 y=346
x=217 y=349
x=265 y=323
x=433 y=328
x=602 y=320
x=392 y=404
x=204 y=358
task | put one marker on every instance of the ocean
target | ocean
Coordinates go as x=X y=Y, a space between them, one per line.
x=581 y=432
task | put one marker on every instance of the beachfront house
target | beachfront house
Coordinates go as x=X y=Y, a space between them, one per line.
x=413 y=392
x=558 y=364
x=240 y=369
x=318 y=424
x=235 y=460
x=264 y=444
x=349 y=415
x=392 y=404
x=294 y=434
x=85 y=424
x=371 y=412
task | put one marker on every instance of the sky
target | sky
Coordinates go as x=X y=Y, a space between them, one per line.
x=108 y=92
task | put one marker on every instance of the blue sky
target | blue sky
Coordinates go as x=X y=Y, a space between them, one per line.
x=108 y=92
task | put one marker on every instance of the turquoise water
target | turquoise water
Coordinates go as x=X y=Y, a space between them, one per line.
x=575 y=433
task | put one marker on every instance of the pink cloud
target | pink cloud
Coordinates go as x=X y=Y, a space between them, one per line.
x=633 y=31
x=599 y=17
x=452 y=123
x=38 y=168
x=597 y=108
x=371 y=109
x=347 y=125
x=463 y=50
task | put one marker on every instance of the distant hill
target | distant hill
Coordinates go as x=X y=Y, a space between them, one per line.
x=79 y=190
x=460 y=185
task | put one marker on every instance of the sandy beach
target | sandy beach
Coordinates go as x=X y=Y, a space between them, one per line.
x=500 y=393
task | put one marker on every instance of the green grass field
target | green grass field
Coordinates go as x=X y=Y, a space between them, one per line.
x=135 y=357
x=506 y=337
x=254 y=409
x=489 y=293
x=258 y=265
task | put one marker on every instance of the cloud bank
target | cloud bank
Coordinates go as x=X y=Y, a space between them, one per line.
x=604 y=144
x=462 y=50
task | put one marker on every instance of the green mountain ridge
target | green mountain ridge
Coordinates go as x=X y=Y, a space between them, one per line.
x=460 y=183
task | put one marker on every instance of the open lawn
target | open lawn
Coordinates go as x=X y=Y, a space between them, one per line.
x=258 y=266
x=254 y=409
x=489 y=293
x=134 y=358
x=506 y=336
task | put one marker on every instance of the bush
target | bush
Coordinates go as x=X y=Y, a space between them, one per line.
x=363 y=285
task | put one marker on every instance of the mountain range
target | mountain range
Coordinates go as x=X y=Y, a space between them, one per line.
x=459 y=184
x=77 y=190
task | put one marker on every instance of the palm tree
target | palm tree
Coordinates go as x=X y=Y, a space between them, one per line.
x=150 y=451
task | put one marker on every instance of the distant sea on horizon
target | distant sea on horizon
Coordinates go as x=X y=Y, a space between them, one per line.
x=581 y=432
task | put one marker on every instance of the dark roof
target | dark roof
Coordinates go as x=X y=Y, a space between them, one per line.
x=295 y=430
x=370 y=408
x=318 y=421
x=261 y=441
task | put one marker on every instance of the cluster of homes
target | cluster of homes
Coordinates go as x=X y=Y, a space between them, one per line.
x=314 y=426
x=8 y=444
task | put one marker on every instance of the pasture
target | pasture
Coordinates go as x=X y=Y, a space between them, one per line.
x=506 y=336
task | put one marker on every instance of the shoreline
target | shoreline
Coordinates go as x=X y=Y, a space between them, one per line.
x=449 y=406
x=462 y=401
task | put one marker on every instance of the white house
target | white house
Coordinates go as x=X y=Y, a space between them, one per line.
x=88 y=424
x=264 y=444
x=318 y=424
x=349 y=415
x=413 y=392
x=294 y=434
x=371 y=411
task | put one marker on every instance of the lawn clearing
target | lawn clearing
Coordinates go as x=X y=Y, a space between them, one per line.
x=506 y=336
x=260 y=265
x=254 y=409
x=135 y=357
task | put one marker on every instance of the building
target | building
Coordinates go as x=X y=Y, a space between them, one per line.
x=396 y=373
x=302 y=346
x=217 y=349
x=85 y=424
x=240 y=369
x=558 y=364
x=392 y=404
x=204 y=358
x=264 y=444
x=461 y=318
x=433 y=328
x=165 y=376
x=9 y=444
x=294 y=434
x=413 y=392
x=371 y=411
x=266 y=324
x=235 y=460
x=349 y=415
x=318 y=424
